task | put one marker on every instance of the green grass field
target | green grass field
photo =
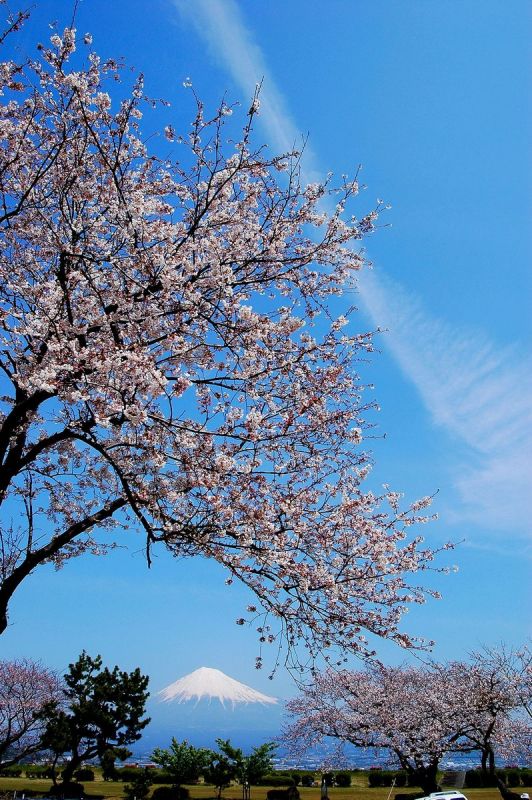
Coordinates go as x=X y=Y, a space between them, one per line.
x=202 y=792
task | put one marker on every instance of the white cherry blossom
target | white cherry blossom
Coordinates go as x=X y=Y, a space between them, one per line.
x=169 y=361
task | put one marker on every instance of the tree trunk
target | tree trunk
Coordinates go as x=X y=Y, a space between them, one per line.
x=54 y=769
x=425 y=777
x=506 y=794
x=487 y=766
x=71 y=767
x=488 y=761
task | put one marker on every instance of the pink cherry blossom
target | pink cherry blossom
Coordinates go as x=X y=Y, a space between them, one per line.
x=25 y=687
x=171 y=360
x=419 y=714
x=406 y=711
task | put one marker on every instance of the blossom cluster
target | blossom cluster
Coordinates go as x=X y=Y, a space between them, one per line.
x=419 y=714
x=172 y=359
x=25 y=689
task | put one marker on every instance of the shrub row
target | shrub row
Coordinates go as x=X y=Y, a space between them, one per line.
x=381 y=777
x=126 y=774
x=295 y=776
x=159 y=776
x=170 y=793
x=129 y=774
x=513 y=778
x=276 y=779
x=38 y=771
x=14 y=771
x=84 y=774
x=286 y=778
x=343 y=779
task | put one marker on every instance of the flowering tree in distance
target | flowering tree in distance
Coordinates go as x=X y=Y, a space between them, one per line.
x=171 y=359
x=407 y=711
x=418 y=714
x=26 y=687
x=495 y=690
x=511 y=668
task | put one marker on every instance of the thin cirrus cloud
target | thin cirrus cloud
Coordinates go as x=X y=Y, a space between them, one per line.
x=477 y=392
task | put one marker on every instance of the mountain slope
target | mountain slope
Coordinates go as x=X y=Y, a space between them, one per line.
x=210 y=684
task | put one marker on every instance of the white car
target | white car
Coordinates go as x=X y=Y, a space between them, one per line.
x=452 y=794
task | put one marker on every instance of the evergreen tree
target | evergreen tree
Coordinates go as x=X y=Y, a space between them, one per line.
x=100 y=713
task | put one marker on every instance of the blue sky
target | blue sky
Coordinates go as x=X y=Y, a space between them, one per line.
x=431 y=96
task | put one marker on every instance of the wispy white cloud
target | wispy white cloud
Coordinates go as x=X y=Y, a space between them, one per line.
x=219 y=23
x=481 y=394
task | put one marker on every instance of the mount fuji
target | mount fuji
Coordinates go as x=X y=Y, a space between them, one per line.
x=208 y=704
x=213 y=684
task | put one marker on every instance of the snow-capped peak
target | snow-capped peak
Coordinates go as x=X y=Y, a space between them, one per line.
x=212 y=684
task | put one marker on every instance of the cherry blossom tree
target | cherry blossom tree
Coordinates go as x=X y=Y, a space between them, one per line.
x=406 y=711
x=418 y=714
x=174 y=359
x=511 y=666
x=26 y=687
x=495 y=692
x=521 y=662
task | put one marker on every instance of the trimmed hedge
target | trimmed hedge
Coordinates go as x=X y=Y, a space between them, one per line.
x=38 y=771
x=127 y=774
x=14 y=771
x=170 y=793
x=84 y=774
x=276 y=780
x=379 y=777
x=513 y=778
x=401 y=778
x=159 y=776
x=473 y=779
x=343 y=779
x=384 y=777
x=526 y=776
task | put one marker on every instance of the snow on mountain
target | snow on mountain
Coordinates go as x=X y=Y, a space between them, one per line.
x=210 y=684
